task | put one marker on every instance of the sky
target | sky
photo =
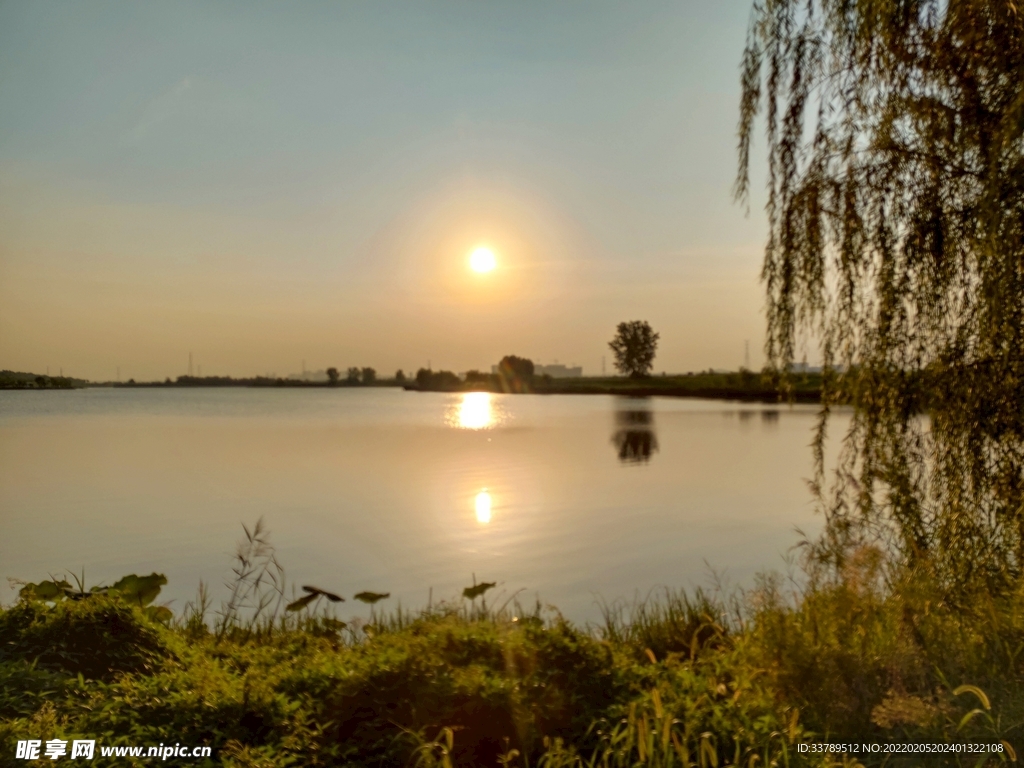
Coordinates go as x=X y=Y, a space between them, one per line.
x=267 y=185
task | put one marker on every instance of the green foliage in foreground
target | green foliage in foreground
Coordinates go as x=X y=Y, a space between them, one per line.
x=676 y=680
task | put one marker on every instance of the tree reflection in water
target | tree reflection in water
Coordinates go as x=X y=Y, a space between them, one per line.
x=634 y=436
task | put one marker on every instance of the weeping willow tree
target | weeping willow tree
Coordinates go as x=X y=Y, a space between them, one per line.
x=895 y=205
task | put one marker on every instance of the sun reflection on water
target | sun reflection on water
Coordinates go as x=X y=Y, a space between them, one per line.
x=475 y=411
x=483 y=507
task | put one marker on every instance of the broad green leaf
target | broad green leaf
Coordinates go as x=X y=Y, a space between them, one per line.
x=371 y=597
x=140 y=589
x=302 y=602
x=159 y=613
x=44 y=590
x=478 y=589
x=317 y=591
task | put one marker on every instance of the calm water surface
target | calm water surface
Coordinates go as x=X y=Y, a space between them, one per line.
x=572 y=498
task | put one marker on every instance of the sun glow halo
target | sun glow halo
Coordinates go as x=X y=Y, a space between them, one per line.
x=475 y=411
x=482 y=503
x=482 y=260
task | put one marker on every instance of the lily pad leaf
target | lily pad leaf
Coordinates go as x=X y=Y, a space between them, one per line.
x=478 y=589
x=371 y=597
x=301 y=603
x=44 y=590
x=140 y=589
x=317 y=591
x=159 y=613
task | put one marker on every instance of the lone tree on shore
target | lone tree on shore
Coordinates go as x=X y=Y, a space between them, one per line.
x=896 y=241
x=515 y=374
x=634 y=346
x=519 y=367
x=332 y=376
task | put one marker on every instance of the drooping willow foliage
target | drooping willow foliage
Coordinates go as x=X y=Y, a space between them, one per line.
x=895 y=146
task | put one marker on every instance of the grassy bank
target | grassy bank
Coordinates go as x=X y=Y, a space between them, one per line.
x=678 y=680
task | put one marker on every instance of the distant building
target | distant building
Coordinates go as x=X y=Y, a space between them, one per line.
x=804 y=368
x=309 y=376
x=558 y=371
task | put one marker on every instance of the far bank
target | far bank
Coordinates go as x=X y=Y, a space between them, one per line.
x=737 y=385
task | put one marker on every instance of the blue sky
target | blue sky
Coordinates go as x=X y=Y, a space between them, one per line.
x=263 y=184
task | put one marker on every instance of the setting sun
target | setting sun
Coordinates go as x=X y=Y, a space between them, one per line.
x=482 y=260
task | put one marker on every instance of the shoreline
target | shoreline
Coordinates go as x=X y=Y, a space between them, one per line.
x=740 y=386
x=756 y=396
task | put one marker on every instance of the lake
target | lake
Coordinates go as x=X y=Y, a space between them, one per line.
x=575 y=499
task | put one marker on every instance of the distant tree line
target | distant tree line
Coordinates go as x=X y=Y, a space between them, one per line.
x=634 y=347
x=437 y=381
x=353 y=377
x=513 y=374
x=17 y=380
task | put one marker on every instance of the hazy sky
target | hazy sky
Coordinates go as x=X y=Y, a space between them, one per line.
x=263 y=184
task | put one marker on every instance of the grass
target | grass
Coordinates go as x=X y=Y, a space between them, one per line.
x=678 y=679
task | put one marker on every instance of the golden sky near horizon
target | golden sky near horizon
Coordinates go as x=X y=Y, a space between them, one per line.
x=266 y=188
